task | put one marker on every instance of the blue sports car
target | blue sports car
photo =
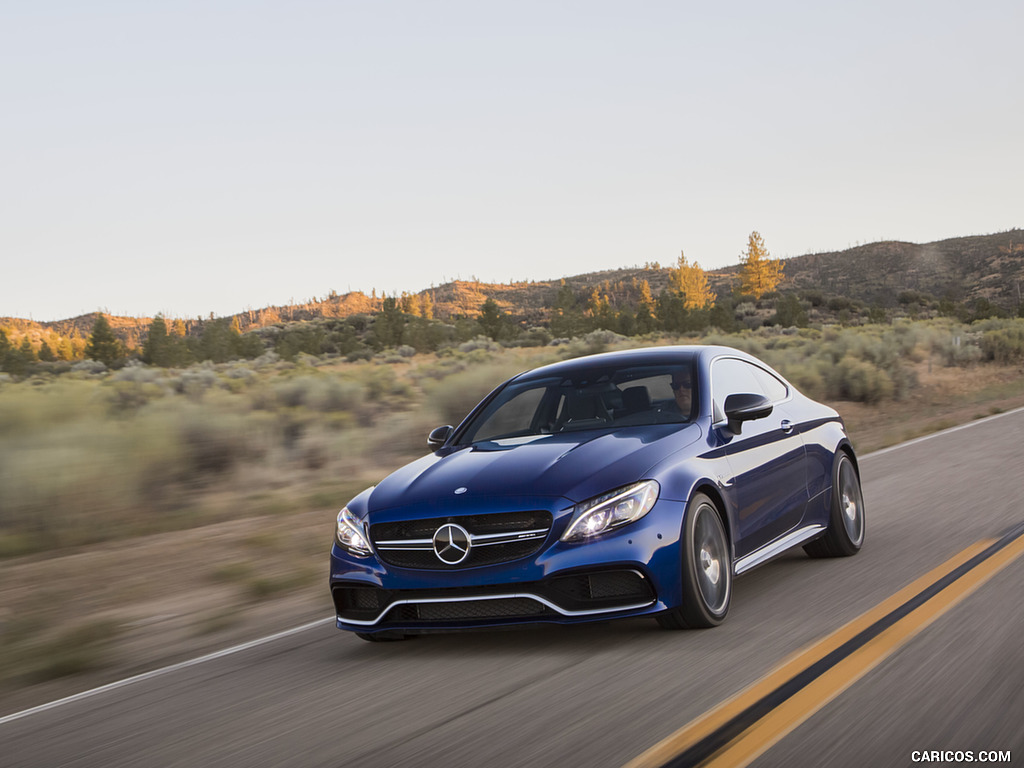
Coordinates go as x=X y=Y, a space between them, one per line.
x=634 y=483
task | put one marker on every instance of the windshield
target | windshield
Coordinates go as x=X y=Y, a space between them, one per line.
x=593 y=399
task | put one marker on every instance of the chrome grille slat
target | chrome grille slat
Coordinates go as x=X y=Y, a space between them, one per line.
x=494 y=537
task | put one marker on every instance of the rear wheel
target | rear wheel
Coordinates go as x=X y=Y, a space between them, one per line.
x=707 y=569
x=845 y=532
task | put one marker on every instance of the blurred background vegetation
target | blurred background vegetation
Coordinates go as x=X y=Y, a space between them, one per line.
x=92 y=453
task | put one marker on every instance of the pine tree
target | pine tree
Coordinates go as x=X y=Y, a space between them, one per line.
x=761 y=273
x=5 y=349
x=157 y=344
x=567 y=319
x=492 y=319
x=46 y=354
x=103 y=345
x=692 y=282
x=389 y=324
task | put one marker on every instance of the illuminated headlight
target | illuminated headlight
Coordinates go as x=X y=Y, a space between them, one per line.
x=350 y=535
x=611 y=510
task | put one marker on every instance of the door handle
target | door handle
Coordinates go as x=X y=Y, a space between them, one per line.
x=787 y=426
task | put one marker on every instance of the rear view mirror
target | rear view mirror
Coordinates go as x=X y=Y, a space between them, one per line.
x=745 y=406
x=439 y=436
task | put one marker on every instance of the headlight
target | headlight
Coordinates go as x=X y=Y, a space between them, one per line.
x=611 y=510
x=351 y=536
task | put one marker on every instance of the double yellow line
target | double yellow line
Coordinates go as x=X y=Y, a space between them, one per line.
x=741 y=728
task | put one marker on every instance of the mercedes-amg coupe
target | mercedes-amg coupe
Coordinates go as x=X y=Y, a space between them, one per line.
x=624 y=484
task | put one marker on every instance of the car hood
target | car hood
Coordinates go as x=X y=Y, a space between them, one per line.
x=574 y=466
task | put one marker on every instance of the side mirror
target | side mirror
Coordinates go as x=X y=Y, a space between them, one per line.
x=439 y=436
x=745 y=406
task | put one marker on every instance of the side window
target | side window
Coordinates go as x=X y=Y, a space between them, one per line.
x=729 y=376
x=772 y=387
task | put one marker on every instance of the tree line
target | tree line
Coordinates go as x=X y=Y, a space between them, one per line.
x=406 y=324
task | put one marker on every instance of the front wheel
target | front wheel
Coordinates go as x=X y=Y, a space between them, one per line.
x=845 y=533
x=707 y=569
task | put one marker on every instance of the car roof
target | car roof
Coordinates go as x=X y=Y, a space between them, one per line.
x=640 y=356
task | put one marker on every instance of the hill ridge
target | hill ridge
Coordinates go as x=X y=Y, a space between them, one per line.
x=963 y=268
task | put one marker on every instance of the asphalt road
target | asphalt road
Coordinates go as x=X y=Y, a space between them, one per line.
x=601 y=695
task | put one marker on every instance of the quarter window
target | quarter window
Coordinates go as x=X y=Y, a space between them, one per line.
x=730 y=376
x=773 y=388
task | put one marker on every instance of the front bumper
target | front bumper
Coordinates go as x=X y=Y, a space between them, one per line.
x=634 y=571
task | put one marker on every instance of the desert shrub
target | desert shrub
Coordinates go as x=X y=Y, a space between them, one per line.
x=453 y=397
x=137 y=373
x=89 y=367
x=323 y=393
x=535 y=337
x=195 y=381
x=860 y=380
x=382 y=386
x=360 y=353
x=806 y=377
x=1003 y=345
x=601 y=339
x=479 y=343
x=212 y=441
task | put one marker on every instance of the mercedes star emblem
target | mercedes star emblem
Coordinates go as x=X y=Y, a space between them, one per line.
x=451 y=543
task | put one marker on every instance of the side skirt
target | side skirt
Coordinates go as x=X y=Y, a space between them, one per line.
x=777 y=547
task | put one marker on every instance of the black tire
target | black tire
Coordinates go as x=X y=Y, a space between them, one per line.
x=845 y=533
x=707 y=569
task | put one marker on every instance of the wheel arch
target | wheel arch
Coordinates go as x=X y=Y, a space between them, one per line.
x=846 y=447
x=710 y=490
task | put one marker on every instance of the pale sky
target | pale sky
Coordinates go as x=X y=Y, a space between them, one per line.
x=194 y=157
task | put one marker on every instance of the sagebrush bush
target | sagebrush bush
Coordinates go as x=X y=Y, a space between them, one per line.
x=454 y=396
x=1003 y=344
x=860 y=380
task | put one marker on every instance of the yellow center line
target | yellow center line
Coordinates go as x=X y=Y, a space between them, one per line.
x=782 y=720
x=694 y=732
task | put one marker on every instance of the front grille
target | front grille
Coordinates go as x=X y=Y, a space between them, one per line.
x=496 y=538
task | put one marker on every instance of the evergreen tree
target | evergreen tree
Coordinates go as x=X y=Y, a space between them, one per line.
x=5 y=349
x=157 y=345
x=672 y=312
x=761 y=273
x=789 y=312
x=219 y=341
x=492 y=320
x=567 y=319
x=250 y=346
x=389 y=325
x=17 y=360
x=103 y=345
x=46 y=354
